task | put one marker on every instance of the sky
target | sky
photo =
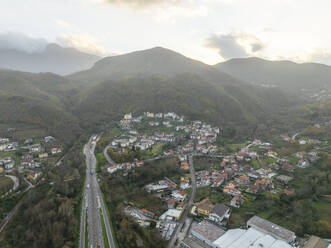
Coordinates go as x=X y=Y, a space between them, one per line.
x=211 y=31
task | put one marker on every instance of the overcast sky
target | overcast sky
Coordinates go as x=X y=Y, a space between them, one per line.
x=207 y=30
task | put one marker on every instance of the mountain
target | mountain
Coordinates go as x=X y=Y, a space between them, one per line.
x=155 y=80
x=286 y=75
x=187 y=94
x=159 y=79
x=54 y=58
x=38 y=100
x=155 y=61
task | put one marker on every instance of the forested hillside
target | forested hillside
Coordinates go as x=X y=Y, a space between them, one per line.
x=285 y=74
x=151 y=80
x=41 y=100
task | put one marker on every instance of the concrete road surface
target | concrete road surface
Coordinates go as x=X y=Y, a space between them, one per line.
x=93 y=204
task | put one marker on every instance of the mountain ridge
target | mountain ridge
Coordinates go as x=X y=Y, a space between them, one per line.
x=53 y=58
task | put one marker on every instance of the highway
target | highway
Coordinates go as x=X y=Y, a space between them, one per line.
x=93 y=203
x=183 y=218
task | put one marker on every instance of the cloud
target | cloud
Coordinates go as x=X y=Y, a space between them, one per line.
x=235 y=45
x=63 y=24
x=21 y=42
x=85 y=43
x=317 y=55
x=142 y=3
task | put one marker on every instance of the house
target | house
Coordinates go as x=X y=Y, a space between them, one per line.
x=35 y=148
x=34 y=176
x=303 y=163
x=243 y=180
x=49 y=138
x=284 y=179
x=56 y=150
x=218 y=181
x=204 y=207
x=231 y=190
x=112 y=169
x=179 y=195
x=253 y=189
x=43 y=155
x=181 y=206
x=316 y=242
x=132 y=139
x=237 y=201
x=171 y=214
x=147 y=213
x=288 y=192
x=185 y=166
x=128 y=116
x=219 y=213
x=171 y=203
x=182 y=158
x=184 y=185
x=288 y=167
x=7 y=162
x=4 y=140
x=150 y=115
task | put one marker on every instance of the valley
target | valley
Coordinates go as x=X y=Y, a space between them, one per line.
x=177 y=141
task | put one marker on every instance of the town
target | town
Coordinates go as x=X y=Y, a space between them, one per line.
x=195 y=217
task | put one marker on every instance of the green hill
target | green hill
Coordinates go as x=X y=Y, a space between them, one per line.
x=40 y=100
x=286 y=75
x=151 y=80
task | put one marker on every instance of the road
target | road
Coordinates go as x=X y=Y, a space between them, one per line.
x=15 y=180
x=105 y=153
x=6 y=220
x=188 y=206
x=94 y=203
x=295 y=135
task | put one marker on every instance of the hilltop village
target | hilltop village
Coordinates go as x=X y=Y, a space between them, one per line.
x=205 y=199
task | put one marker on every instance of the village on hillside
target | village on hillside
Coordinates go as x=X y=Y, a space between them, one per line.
x=226 y=182
x=26 y=160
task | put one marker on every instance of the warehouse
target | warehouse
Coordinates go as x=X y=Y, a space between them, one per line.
x=251 y=238
x=272 y=229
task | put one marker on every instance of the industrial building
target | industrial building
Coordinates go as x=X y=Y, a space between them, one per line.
x=272 y=229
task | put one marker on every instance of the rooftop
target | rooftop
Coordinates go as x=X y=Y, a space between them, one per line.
x=316 y=242
x=205 y=204
x=194 y=242
x=251 y=238
x=207 y=230
x=271 y=228
x=220 y=209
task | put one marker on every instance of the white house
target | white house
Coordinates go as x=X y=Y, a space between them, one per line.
x=112 y=169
